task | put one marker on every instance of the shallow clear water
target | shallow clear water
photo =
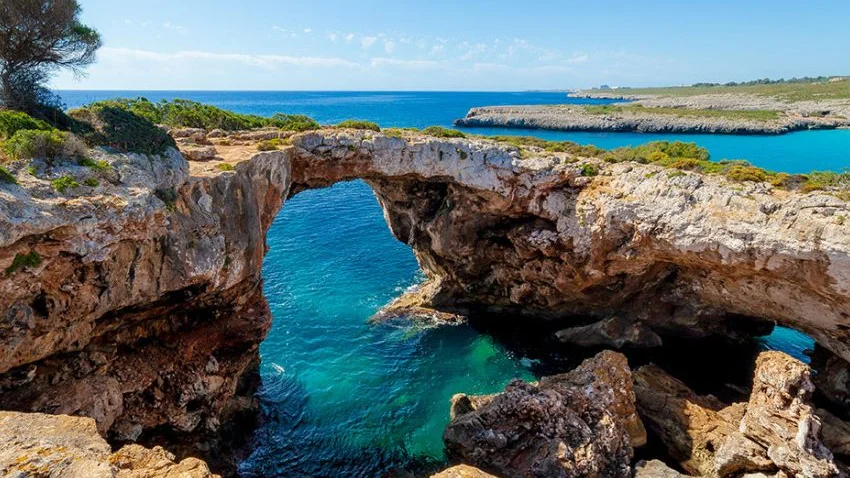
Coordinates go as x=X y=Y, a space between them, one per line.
x=342 y=397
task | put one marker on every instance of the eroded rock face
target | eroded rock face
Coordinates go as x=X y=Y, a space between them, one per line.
x=59 y=446
x=144 y=309
x=579 y=424
x=776 y=432
x=462 y=471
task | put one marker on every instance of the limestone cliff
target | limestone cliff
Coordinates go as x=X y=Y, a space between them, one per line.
x=138 y=302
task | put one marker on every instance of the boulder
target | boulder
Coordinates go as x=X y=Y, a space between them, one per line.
x=581 y=423
x=194 y=152
x=656 y=469
x=616 y=332
x=776 y=431
x=47 y=446
x=463 y=471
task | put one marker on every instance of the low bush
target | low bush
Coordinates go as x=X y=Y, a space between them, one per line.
x=7 y=177
x=269 y=145
x=64 y=183
x=113 y=124
x=91 y=182
x=99 y=166
x=297 y=123
x=441 y=132
x=12 y=121
x=359 y=124
x=226 y=167
x=48 y=144
x=30 y=259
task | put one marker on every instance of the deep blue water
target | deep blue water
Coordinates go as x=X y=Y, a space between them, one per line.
x=342 y=397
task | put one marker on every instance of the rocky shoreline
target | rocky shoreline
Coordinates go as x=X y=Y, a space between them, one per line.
x=144 y=308
x=644 y=120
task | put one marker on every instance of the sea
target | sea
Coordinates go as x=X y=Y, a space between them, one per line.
x=344 y=397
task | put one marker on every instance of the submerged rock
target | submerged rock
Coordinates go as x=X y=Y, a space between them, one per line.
x=578 y=424
x=776 y=431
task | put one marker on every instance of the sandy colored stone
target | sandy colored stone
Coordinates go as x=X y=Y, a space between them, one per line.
x=462 y=471
x=581 y=423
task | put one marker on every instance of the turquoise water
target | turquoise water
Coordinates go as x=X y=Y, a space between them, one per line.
x=341 y=397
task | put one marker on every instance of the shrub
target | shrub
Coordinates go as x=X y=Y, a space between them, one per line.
x=30 y=259
x=99 y=166
x=746 y=173
x=168 y=196
x=359 y=124
x=269 y=145
x=13 y=121
x=226 y=167
x=113 y=124
x=293 y=122
x=91 y=182
x=589 y=170
x=47 y=144
x=6 y=176
x=440 y=132
x=64 y=183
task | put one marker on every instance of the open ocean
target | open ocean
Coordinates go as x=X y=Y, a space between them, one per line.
x=341 y=397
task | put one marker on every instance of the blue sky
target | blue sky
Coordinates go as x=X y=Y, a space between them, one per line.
x=457 y=45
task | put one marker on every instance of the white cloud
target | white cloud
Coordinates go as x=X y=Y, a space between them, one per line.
x=173 y=26
x=436 y=49
x=367 y=42
x=349 y=37
x=332 y=37
x=389 y=46
x=308 y=30
x=407 y=64
x=578 y=58
x=290 y=33
x=263 y=61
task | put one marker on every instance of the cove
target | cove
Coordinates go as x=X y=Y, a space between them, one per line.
x=341 y=397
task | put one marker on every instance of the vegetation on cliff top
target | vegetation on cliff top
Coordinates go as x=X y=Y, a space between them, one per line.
x=757 y=115
x=181 y=113
x=821 y=88
x=683 y=156
x=359 y=124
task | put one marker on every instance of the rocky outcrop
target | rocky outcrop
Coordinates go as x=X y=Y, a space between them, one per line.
x=138 y=301
x=462 y=471
x=59 y=446
x=776 y=432
x=578 y=424
x=642 y=120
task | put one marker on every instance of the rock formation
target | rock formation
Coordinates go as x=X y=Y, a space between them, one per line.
x=578 y=424
x=776 y=433
x=138 y=302
x=38 y=445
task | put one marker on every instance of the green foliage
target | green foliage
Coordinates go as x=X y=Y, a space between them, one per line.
x=99 y=166
x=552 y=146
x=13 y=121
x=168 y=196
x=30 y=259
x=296 y=123
x=48 y=144
x=359 y=124
x=112 y=123
x=91 y=182
x=6 y=176
x=440 y=132
x=64 y=183
x=269 y=144
x=226 y=167
x=802 y=89
x=758 y=115
x=589 y=170
x=181 y=113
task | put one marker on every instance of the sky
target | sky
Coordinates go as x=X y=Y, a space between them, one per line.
x=490 y=45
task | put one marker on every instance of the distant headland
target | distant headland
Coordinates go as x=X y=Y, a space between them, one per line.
x=754 y=107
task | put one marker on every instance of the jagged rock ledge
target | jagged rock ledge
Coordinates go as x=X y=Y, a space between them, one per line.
x=644 y=120
x=138 y=302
